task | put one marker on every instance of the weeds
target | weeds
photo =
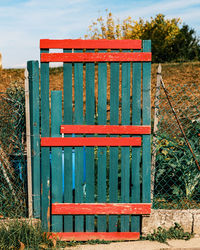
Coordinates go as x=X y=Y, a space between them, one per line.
x=162 y=235
x=21 y=234
x=18 y=234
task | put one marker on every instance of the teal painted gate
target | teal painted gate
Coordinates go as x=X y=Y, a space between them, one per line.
x=96 y=129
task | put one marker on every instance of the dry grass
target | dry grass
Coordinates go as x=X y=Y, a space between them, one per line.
x=175 y=76
x=173 y=73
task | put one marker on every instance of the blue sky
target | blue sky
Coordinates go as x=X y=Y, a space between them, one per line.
x=24 y=22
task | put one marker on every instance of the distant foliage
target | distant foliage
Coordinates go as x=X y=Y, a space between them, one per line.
x=170 y=42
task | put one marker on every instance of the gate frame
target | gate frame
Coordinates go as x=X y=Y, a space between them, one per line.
x=41 y=184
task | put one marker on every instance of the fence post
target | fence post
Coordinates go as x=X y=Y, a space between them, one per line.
x=28 y=145
x=155 y=129
x=33 y=70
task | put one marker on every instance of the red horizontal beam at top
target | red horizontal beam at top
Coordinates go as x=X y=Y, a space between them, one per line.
x=89 y=141
x=100 y=208
x=96 y=57
x=85 y=236
x=105 y=129
x=90 y=44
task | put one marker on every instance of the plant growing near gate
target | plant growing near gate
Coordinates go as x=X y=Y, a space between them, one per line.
x=162 y=235
x=176 y=172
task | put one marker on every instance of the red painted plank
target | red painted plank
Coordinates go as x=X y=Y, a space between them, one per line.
x=96 y=57
x=85 y=236
x=105 y=129
x=89 y=141
x=100 y=208
x=90 y=44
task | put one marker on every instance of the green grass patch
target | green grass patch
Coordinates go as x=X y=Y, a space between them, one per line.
x=162 y=235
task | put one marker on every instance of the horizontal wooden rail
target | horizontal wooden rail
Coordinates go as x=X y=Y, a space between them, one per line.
x=89 y=141
x=90 y=44
x=85 y=236
x=105 y=129
x=96 y=57
x=100 y=208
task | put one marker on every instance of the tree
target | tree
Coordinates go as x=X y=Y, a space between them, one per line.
x=169 y=41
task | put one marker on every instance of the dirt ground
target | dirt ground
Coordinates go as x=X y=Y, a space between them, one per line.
x=192 y=244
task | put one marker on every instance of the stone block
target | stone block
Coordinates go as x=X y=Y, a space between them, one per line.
x=166 y=219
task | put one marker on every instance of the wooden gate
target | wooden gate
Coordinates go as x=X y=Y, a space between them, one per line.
x=95 y=131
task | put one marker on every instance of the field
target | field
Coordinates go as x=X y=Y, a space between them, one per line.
x=173 y=73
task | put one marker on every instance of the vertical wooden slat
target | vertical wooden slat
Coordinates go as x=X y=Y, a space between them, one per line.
x=125 y=151
x=79 y=159
x=68 y=189
x=90 y=108
x=102 y=113
x=56 y=158
x=33 y=69
x=45 y=152
x=146 y=114
x=114 y=119
x=136 y=157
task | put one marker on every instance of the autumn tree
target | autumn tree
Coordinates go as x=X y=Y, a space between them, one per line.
x=169 y=40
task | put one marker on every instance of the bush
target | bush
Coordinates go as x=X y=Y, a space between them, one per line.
x=170 y=42
x=176 y=172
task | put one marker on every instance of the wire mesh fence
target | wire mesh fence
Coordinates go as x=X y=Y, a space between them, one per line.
x=13 y=195
x=176 y=178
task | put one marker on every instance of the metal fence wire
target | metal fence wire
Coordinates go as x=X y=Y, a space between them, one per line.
x=176 y=177
x=13 y=195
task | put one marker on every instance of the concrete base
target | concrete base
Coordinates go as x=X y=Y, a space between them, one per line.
x=188 y=219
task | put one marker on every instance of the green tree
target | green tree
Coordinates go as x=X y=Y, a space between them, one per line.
x=170 y=42
x=186 y=46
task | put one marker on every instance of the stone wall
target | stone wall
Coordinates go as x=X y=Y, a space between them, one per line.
x=188 y=219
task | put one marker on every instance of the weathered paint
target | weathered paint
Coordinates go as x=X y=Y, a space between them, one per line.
x=101 y=154
x=67 y=88
x=114 y=152
x=89 y=44
x=88 y=193
x=125 y=151
x=100 y=208
x=45 y=152
x=33 y=69
x=89 y=151
x=78 y=115
x=89 y=141
x=136 y=152
x=56 y=158
x=108 y=236
x=96 y=57
x=146 y=115
x=105 y=129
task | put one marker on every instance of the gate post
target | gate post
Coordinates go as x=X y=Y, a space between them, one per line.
x=33 y=69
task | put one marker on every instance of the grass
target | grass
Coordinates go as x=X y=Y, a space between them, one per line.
x=173 y=73
x=19 y=234
x=162 y=235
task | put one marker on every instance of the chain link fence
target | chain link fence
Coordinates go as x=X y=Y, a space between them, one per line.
x=176 y=178
x=13 y=185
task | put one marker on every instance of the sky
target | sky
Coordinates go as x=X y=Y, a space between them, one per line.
x=24 y=22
